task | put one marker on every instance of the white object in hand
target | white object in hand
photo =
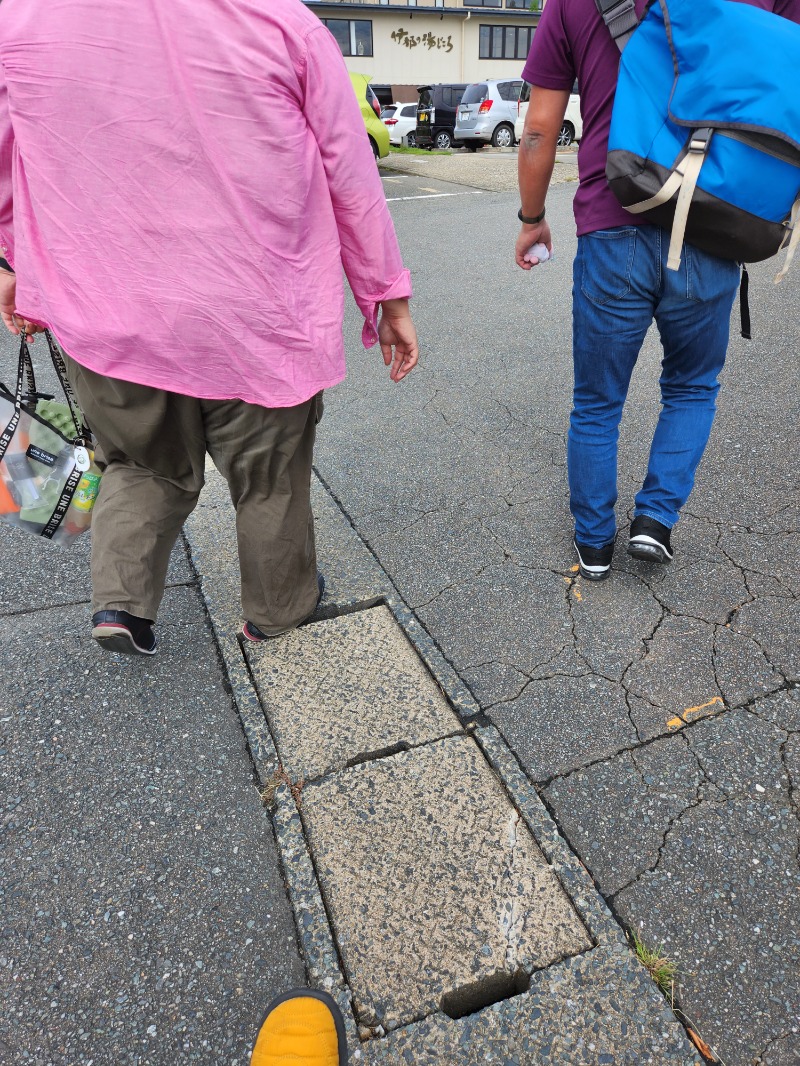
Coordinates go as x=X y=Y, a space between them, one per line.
x=537 y=251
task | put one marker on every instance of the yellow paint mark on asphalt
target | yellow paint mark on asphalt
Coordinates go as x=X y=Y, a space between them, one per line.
x=568 y=580
x=688 y=712
x=577 y=592
x=701 y=707
x=574 y=569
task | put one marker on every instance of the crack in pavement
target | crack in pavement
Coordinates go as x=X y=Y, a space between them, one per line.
x=704 y=785
x=760 y=1059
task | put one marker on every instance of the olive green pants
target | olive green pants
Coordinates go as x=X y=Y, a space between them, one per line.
x=155 y=445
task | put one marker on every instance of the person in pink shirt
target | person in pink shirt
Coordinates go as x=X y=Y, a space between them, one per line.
x=181 y=185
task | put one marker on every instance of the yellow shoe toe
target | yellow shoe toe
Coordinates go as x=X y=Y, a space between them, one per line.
x=299 y=1031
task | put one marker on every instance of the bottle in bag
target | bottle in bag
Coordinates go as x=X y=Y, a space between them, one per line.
x=79 y=515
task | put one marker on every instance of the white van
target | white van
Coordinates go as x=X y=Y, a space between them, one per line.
x=571 y=130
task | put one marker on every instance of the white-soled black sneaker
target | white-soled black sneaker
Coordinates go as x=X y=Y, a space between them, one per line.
x=594 y=563
x=649 y=540
x=123 y=632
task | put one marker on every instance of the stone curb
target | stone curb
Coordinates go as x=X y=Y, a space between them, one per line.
x=454 y=689
x=314 y=933
x=312 y=922
x=475 y=171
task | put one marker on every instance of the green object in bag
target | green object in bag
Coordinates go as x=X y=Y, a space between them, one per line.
x=44 y=487
x=58 y=415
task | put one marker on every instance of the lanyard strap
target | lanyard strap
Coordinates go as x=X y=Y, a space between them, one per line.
x=25 y=369
x=61 y=372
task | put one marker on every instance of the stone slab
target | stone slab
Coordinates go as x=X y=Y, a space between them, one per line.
x=599 y=1009
x=144 y=914
x=345 y=689
x=436 y=889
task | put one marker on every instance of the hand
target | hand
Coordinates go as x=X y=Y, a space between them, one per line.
x=528 y=236
x=14 y=323
x=398 y=338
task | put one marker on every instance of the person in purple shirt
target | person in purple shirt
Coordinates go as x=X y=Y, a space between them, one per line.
x=620 y=284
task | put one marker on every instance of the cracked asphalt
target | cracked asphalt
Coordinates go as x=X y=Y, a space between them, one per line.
x=143 y=914
x=657 y=712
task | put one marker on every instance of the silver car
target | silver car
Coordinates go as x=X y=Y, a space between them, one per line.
x=487 y=113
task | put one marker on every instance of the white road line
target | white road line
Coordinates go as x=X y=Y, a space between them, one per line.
x=434 y=195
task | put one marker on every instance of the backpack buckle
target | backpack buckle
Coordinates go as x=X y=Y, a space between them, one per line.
x=700 y=140
x=620 y=17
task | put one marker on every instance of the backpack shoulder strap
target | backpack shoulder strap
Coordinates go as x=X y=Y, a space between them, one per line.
x=620 y=17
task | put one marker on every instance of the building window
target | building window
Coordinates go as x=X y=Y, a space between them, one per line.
x=505 y=42
x=354 y=36
x=483 y=3
x=523 y=5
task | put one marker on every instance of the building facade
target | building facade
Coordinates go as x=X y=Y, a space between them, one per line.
x=402 y=45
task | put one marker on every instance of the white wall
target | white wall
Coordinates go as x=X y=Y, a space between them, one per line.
x=436 y=54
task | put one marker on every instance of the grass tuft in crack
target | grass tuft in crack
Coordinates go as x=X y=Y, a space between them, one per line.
x=661 y=969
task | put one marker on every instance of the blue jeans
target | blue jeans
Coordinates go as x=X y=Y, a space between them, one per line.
x=620 y=283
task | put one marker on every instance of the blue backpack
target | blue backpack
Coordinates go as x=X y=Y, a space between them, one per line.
x=705 y=132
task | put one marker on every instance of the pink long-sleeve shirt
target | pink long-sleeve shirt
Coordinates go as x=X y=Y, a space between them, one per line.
x=181 y=184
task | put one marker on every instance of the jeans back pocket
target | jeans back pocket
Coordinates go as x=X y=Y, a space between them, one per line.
x=607 y=263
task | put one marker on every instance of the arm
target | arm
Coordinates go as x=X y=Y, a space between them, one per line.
x=370 y=253
x=537 y=156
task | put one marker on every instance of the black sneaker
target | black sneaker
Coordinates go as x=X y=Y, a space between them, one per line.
x=594 y=563
x=120 y=631
x=250 y=631
x=649 y=540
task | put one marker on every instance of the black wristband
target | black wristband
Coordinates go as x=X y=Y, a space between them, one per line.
x=5 y=265
x=530 y=221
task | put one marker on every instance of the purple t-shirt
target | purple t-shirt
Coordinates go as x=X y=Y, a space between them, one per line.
x=572 y=42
